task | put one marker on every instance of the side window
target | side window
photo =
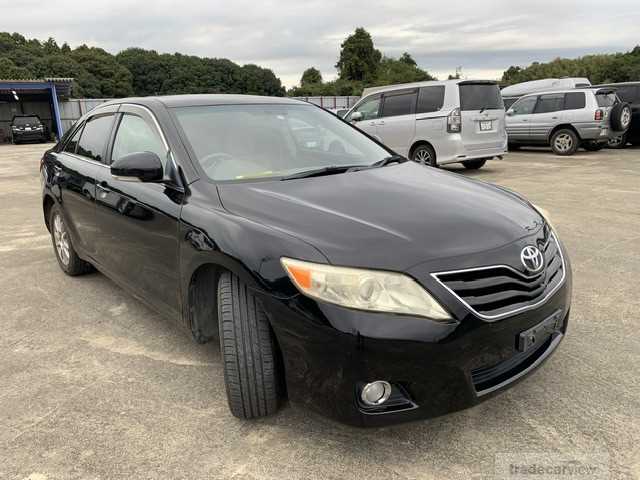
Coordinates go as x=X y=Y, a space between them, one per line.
x=73 y=141
x=430 y=99
x=136 y=135
x=94 y=137
x=368 y=108
x=574 y=100
x=399 y=104
x=524 y=106
x=552 y=102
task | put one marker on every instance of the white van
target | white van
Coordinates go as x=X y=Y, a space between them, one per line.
x=436 y=122
x=513 y=92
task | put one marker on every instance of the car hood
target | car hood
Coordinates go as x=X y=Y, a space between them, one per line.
x=392 y=217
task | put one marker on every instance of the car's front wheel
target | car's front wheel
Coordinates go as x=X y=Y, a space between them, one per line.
x=564 y=142
x=68 y=259
x=248 y=349
x=474 y=164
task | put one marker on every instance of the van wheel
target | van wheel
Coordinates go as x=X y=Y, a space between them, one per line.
x=425 y=155
x=564 y=142
x=248 y=351
x=68 y=259
x=474 y=164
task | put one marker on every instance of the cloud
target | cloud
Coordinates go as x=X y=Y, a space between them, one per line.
x=288 y=36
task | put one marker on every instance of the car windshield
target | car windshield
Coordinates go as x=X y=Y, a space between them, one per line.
x=21 y=121
x=238 y=142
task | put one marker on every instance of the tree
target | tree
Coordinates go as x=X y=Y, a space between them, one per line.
x=408 y=59
x=310 y=76
x=359 y=59
x=392 y=71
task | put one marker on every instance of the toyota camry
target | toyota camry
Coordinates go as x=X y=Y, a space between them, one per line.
x=333 y=272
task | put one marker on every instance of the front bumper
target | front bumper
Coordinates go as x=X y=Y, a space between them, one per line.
x=33 y=135
x=329 y=351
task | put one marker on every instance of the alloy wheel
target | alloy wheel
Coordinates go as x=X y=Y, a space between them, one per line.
x=423 y=156
x=61 y=239
x=563 y=142
x=625 y=117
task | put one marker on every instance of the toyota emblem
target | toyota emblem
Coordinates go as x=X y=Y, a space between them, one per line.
x=532 y=259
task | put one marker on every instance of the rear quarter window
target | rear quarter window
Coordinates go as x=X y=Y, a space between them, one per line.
x=479 y=96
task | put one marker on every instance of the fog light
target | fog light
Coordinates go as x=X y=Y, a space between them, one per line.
x=376 y=393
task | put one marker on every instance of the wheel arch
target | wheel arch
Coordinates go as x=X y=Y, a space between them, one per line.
x=418 y=143
x=47 y=203
x=563 y=126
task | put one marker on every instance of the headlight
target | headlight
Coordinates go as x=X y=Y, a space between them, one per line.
x=373 y=290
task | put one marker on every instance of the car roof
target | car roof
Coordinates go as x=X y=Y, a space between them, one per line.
x=426 y=83
x=617 y=84
x=192 y=100
x=560 y=90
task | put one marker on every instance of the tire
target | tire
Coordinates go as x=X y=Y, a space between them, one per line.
x=620 y=116
x=619 y=141
x=425 y=155
x=593 y=146
x=248 y=351
x=474 y=164
x=68 y=259
x=564 y=142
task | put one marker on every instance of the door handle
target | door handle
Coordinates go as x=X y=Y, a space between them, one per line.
x=554 y=118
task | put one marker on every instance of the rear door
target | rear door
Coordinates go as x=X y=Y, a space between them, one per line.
x=369 y=108
x=397 y=123
x=547 y=113
x=482 y=112
x=76 y=168
x=519 y=119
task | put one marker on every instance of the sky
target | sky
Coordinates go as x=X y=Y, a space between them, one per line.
x=482 y=37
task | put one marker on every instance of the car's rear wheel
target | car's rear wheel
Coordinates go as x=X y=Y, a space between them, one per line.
x=424 y=154
x=248 y=350
x=619 y=141
x=68 y=259
x=474 y=164
x=564 y=142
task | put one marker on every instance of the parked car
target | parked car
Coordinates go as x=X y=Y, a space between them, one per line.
x=436 y=123
x=334 y=272
x=567 y=119
x=628 y=92
x=27 y=128
x=512 y=93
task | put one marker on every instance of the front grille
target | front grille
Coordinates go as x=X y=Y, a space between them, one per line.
x=497 y=291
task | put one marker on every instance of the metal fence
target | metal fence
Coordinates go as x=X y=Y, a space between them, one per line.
x=332 y=102
x=72 y=109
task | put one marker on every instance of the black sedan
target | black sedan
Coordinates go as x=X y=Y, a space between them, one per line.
x=332 y=271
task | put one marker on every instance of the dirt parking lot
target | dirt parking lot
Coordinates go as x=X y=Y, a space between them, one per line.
x=93 y=385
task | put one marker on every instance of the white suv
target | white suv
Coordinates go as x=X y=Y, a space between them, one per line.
x=435 y=123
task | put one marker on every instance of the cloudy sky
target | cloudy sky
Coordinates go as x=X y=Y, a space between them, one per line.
x=482 y=37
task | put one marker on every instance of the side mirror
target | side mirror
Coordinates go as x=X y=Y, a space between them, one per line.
x=356 y=116
x=138 y=167
x=511 y=112
x=342 y=112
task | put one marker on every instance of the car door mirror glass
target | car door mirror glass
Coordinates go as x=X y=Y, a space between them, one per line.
x=138 y=166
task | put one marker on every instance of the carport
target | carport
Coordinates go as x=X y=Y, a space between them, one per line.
x=33 y=97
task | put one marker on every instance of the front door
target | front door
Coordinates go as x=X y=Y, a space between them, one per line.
x=138 y=238
x=546 y=115
x=519 y=119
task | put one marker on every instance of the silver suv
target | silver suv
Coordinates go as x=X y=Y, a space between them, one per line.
x=567 y=119
x=436 y=122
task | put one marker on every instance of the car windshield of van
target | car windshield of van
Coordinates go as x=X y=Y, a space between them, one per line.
x=22 y=121
x=249 y=141
x=480 y=96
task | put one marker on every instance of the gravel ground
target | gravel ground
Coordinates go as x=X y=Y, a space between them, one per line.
x=93 y=385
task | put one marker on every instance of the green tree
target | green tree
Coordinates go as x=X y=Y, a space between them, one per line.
x=310 y=76
x=9 y=71
x=392 y=71
x=359 y=59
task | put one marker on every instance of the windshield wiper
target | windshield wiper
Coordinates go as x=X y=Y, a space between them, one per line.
x=318 y=172
x=380 y=163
